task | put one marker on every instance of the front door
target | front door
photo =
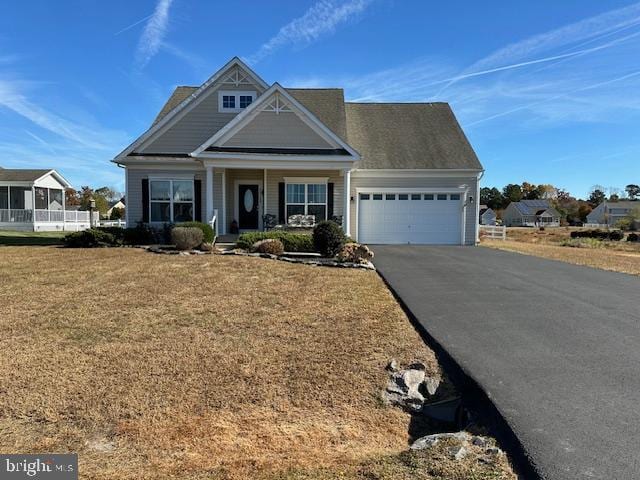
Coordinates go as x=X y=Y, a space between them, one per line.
x=248 y=207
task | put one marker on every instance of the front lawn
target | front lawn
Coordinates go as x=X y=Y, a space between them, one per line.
x=207 y=367
x=31 y=238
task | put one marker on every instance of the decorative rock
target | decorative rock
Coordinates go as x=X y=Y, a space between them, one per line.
x=403 y=389
x=431 y=440
x=355 y=253
x=431 y=384
x=494 y=451
x=392 y=366
x=479 y=441
x=458 y=452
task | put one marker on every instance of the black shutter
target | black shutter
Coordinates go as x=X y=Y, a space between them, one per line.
x=329 y=201
x=197 y=192
x=282 y=220
x=145 y=200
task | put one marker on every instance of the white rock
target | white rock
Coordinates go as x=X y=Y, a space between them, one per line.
x=430 y=440
x=458 y=452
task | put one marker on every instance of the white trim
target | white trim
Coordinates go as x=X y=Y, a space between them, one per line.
x=346 y=208
x=410 y=190
x=210 y=175
x=256 y=163
x=59 y=178
x=477 y=228
x=245 y=117
x=236 y=200
x=126 y=198
x=177 y=176
x=191 y=101
x=306 y=179
x=224 y=201
x=404 y=173
x=235 y=93
x=264 y=192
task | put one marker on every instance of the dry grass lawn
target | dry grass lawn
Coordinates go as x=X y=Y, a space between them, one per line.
x=155 y=366
x=616 y=256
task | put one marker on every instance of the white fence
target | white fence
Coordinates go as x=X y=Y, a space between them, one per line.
x=493 y=231
x=14 y=215
x=113 y=223
x=596 y=225
x=46 y=216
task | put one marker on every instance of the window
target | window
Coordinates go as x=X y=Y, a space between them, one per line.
x=390 y=196
x=442 y=196
x=42 y=198
x=245 y=101
x=4 y=198
x=403 y=196
x=20 y=198
x=415 y=196
x=454 y=196
x=234 y=101
x=428 y=196
x=171 y=200
x=55 y=199
x=307 y=199
x=377 y=196
x=363 y=196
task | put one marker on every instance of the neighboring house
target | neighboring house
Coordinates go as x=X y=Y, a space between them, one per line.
x=609 y=213
x=236 y=149
x=33 y=200
x=531 y=213
x=120 y=204
x=487 y=216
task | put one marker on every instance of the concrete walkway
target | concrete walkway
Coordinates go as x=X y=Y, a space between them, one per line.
x=555 y=346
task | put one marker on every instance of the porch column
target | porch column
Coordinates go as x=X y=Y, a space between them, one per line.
x=209 y=195
x=346 y=214
x=223 y=214
x=264 y=195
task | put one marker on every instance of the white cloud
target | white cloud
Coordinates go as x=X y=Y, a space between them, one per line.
x=153 y=34
x=321 y=19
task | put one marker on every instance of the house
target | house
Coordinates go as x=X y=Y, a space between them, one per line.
x=237 y=150
x=531 y=213
x=487 y=216
x=120 y=204
x=609 y=213
x=34 y=200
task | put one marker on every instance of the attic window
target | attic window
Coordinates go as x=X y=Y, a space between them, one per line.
x=234 y=101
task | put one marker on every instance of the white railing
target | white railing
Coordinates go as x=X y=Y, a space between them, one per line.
x=596 y=225
x=13 y=215
x=493 y=231
x=214 y=221
x=113 y=223
x=50 y=215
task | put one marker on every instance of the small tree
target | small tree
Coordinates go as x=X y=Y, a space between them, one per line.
x=633 y=191
x=116 y=213
x=596 y=197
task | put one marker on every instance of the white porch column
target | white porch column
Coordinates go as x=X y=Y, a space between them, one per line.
x=346 y=214
x=264 y=195
x=223 y=215
x=209 y=195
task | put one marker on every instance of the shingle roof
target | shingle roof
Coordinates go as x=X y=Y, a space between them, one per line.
x=534 y=207
x=387 y=135
x=21 y=174
x=408 y=136
x=623 y=204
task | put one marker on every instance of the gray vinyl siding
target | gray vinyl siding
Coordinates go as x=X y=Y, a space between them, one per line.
x=134 y=189
x=284 y=130
x=198 y=125
x=420 y=182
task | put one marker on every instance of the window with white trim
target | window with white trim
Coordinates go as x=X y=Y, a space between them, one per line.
x=171 y=200
x=306 y=199
x=234 y=101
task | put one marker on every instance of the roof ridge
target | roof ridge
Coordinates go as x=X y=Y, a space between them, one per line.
x=397 y=103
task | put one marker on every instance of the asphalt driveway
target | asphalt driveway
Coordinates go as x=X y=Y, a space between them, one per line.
x=555 y=346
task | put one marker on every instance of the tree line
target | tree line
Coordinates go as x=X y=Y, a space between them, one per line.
x=102 y=197
x=572 y=208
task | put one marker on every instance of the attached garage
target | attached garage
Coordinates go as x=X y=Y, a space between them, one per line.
x=417 y=217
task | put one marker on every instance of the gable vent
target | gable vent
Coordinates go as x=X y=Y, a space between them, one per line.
x=277 y=105
x=237 y=77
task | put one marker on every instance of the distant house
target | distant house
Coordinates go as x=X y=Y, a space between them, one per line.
x=34 y=200
x=609 y=213
x=531 y=213
x=112 y=205
x=487 y=216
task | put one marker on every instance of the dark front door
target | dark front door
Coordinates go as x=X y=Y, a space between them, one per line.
x=248 y=207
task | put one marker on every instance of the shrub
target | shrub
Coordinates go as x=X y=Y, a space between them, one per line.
x=582 y=243
x=140 y=235
x=186 y=238
x=208 y=235
x=355 y=253
x=117 y=232
x=268 y=245
x=292 y=242
x=328 y=238
x=633 y=237
x=91 y=238
x=616 y=235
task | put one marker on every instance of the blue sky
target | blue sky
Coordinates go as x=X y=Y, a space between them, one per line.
x=547 y=91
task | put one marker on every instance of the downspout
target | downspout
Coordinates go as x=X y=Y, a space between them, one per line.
x=478 y=207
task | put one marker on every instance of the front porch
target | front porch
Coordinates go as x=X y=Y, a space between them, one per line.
x=250 y=199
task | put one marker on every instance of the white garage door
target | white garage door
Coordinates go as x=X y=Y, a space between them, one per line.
x=427 y=218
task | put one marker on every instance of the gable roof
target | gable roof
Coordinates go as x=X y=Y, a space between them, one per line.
x=164 y=121
x=535 y=207
x=622 y=204
x=29 y=175
x=243 y=118
x=408 y=136
x=178 y=96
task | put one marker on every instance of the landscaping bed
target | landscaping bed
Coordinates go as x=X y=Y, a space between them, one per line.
x=210 y=367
